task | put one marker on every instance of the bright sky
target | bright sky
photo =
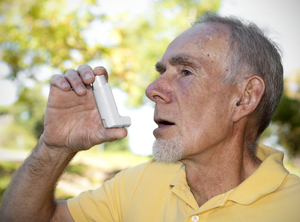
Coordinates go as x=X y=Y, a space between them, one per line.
x=280 y=17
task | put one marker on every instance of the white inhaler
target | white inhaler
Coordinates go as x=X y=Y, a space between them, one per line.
x=107 y=106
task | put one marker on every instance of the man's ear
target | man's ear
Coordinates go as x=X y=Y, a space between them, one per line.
x=251 y=91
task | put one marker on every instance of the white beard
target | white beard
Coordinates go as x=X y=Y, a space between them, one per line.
x=168 y=150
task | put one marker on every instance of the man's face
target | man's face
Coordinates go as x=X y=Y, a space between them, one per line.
x=192 y=104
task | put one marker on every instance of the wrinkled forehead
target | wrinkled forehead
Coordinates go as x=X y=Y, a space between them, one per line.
x=202 y=40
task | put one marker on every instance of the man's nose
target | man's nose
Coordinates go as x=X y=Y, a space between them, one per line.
x=160 y=90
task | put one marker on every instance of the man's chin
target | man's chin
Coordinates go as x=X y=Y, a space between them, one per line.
x=168 y=150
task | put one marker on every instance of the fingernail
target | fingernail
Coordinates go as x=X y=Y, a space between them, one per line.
x=80 y=88
x=88 y=76
x=65 y=85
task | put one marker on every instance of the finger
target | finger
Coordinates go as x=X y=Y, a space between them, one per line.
x=100 y=70
x=60 y=82
x=86 y=73
x=115 y=133
x=76 y=82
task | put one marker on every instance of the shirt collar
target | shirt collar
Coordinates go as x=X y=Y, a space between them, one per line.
x=180 y=177
x=267 y=178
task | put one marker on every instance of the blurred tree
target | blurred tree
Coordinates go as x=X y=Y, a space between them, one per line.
x=27 y=123
x=285 y=123
x=41 y=32
x=141 y=40
x=287 y=115
x=38 y=33
x=292 y=84
x=118 y=145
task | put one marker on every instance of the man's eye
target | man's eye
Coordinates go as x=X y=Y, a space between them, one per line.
x=186 y=72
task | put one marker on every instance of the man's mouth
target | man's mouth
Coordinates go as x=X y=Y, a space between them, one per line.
x=163 y=123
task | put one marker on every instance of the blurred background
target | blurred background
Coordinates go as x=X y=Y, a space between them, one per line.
x=39 y=38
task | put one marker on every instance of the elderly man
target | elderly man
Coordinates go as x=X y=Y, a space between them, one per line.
x=219 y=85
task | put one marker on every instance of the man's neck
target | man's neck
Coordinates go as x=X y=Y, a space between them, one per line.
x=222 y=170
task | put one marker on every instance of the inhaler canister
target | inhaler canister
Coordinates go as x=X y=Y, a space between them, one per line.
x=107 y=106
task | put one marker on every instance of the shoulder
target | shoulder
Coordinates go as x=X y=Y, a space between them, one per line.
x=116 y=195
x=288 y=195
x=144 y=177
x=291 y=184
x=151 y=169
x=141 y=181
x=287 y=199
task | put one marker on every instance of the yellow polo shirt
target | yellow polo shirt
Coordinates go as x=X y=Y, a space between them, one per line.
x=157 y=191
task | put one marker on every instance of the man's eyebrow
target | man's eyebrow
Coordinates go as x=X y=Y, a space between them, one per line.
x=180 y=59
x=184 y=59
x=160 y=67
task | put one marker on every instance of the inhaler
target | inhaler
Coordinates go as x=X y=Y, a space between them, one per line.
x=107 y=106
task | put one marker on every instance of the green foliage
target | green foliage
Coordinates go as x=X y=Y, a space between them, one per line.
x=37 y=32
x=142 y=40
x=47 y=33
x=7 y=168
x=6 y=171
x=15 y=136
x=62 y=195
x=28 y=115
x=285 y=123
x=118 y=145
x=287 y=116
x=79 y=169
x=30 y=108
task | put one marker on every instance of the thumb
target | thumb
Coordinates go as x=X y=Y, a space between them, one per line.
x=114 y=134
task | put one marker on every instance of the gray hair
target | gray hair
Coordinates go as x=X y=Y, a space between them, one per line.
x=250 y=53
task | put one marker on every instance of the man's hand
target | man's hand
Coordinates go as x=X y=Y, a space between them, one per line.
x=72 y=120
x=72 y=123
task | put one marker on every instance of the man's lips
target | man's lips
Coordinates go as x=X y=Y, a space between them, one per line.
x=163 y=123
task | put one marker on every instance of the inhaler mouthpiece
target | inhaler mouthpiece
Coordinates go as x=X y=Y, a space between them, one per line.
x=107 y=106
